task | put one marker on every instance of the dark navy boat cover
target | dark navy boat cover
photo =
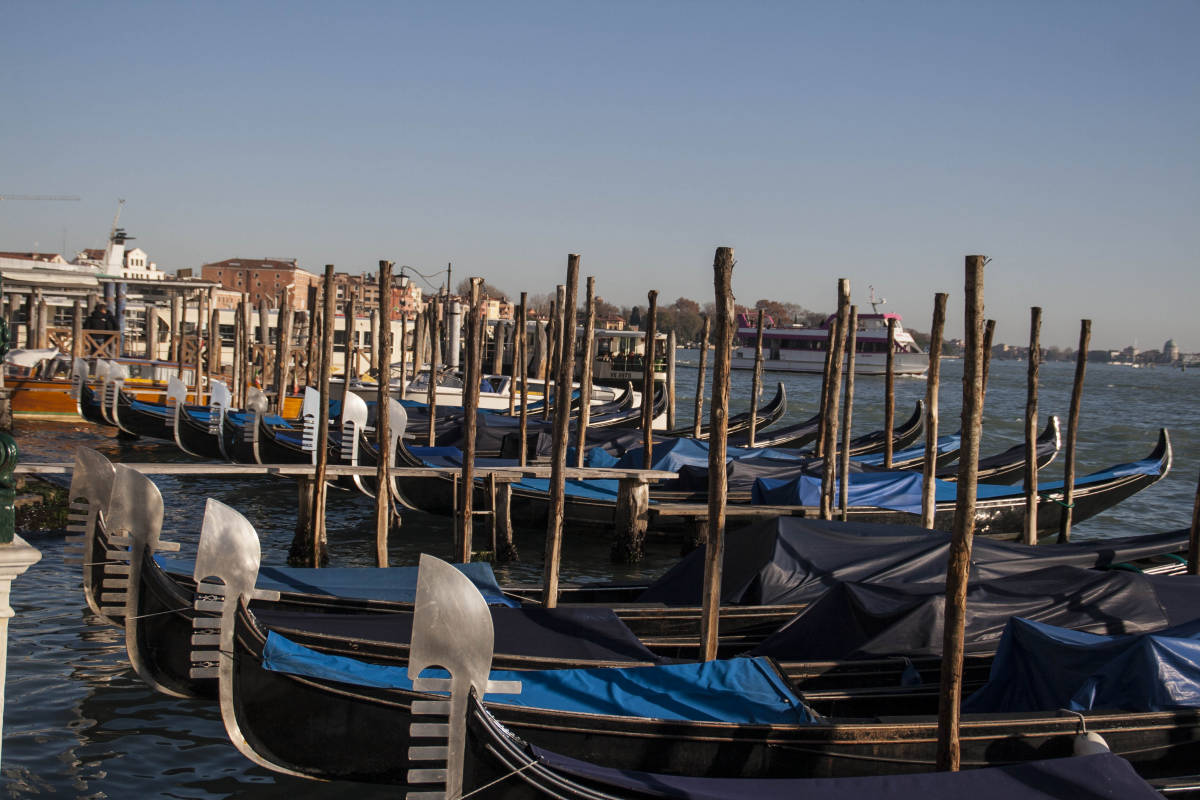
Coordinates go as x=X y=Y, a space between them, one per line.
x=901 y=490
x=794 y=560
x=1095 y=777
x=860 y=620
x=742 y=690
x=1040 y=667
x=567 y=632
x=394 y=584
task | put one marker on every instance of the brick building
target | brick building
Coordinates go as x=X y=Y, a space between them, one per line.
x=266 y=278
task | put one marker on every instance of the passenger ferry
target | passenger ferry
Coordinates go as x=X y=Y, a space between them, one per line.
x=800 y=349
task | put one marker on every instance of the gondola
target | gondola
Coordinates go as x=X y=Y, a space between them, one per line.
x=499 y=764
x=297 y=711
x=999 y=510
x=768 y=414
x=805 y=433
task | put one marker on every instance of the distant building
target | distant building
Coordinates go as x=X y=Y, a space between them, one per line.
x=38 y=258
x=1170 y=351
x=117 y=261
x=267 y=278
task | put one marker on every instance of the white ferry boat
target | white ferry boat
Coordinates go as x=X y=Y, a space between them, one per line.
x=800 y=349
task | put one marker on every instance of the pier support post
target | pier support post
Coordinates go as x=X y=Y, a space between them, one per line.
x=562 y=414
x=631 y=520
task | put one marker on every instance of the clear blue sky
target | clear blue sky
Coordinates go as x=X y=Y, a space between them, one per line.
x=878 y=141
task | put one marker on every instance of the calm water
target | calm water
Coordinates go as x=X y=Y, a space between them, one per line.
x=80 y=724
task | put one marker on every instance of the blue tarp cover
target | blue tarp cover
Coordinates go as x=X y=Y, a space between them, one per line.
x=1095 y=777
x=394 y=584
x=742 y=690
x=945 y=444
x=901 y=490
x=1040 y=667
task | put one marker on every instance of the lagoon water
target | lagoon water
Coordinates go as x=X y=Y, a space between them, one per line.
x=79 y=723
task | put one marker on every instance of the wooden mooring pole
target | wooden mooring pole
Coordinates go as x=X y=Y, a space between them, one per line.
x=932 y=382
x=648 y=381
x=959 y=562
x=1030 y=531
x=819 y=447
x=313 y=552
x=989 y=333
x=381 y=346
x=464 y=528
x=848 y=412
x=756 y=379
x=523 y=351
x=435 y=347
x=1068 y=501
x=889 y=395
x=714 y=551
x=562 y=419
x=1193 y=566
x=829 y=466
x=585 y=379
x=699 y=409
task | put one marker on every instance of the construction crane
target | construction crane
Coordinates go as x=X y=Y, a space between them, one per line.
x=69 y=197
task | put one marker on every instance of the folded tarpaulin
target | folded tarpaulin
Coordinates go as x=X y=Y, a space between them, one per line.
x=742 y=690
x=1102 y=776
x=794 y=560
x=1040 y=667
x=860 y=620
x=394 y=584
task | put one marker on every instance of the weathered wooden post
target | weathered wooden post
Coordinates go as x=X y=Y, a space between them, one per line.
x=889 y=395
x=373 y=363
x=989 y=333
x=283 y=352
x=648 y=382
x=1068 y=501
x=829 y=472
x=1193 y=566
x=551 y=357
x=150 y=322
x=671 y=380
x=77 y=333
x=318 y=554
x=385 y=370
x=756 y=379
x=498 y=347
x=176 y=325
x=585 y=379
x=43 y=315
x=381 y=348
x=435 y=346
x=1031 y=428
x=247 y=312
x=522 y=453
x=239 y=354
x=562 y=419
x=198 y=363
x=848 y=411
x=350 y=310
x=819 y=447
x=464 y=526
x=929 y=472
x=699 y=410
x=714 y=552
x=312 y=347
x=959 y=563
x=214 y=343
